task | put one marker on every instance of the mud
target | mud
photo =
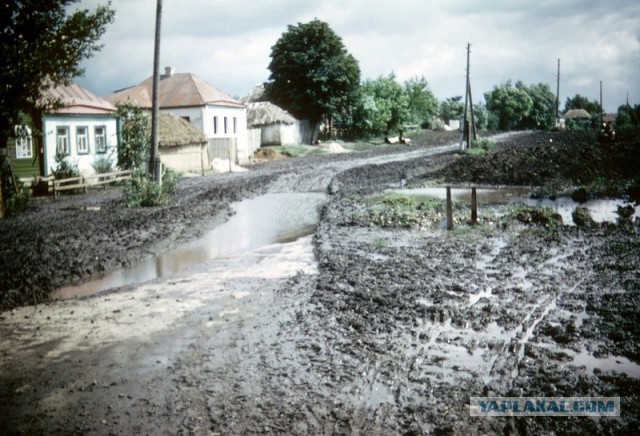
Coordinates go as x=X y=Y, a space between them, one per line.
x=364 y=329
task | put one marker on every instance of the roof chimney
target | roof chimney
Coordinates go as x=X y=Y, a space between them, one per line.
x=168 y=72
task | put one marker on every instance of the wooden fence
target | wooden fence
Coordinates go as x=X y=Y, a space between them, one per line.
x=85 y=182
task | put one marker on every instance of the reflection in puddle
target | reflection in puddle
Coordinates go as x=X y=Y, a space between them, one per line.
x=601 y=210
x=258 y=222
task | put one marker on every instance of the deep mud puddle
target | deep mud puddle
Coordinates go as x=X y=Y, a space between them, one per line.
x=257 y=222
x=601 y=210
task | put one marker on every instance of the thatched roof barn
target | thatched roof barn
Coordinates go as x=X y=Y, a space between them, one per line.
x=577 y=114
x=264 y=113
x=182 y=146
x=177 y=132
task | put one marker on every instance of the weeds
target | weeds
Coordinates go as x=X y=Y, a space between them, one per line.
x=141 y=191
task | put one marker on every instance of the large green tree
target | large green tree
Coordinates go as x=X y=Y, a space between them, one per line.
x=383 y=107
x=42 y=44
x=312 y=74
x=451 y=109
x=510 y=104
x=423 y=106
x=543 y=110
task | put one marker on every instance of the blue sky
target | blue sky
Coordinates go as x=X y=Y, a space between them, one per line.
x=227 y=43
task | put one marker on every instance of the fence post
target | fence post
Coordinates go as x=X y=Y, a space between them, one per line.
x=474 y=207
x=449 y=210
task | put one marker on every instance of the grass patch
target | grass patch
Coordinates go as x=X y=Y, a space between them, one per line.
x=406 y=211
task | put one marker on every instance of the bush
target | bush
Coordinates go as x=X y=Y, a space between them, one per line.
x=141 y=191
x=14 y=200
x=484 y=144
x=64 y=170
x=103 y=166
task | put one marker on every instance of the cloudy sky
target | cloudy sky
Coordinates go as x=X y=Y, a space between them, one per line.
x=228 y=42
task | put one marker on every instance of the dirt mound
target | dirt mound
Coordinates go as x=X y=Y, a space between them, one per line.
x=554 y=160
x=271 y=154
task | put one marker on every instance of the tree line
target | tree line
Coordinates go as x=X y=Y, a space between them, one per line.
x=315 y=78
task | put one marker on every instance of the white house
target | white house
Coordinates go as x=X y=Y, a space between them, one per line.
x=84 y=129
x=218 y=115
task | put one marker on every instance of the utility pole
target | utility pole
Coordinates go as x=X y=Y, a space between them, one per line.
x=601 y=108
x=154 y=167
x=558 y=94
x=465 y=121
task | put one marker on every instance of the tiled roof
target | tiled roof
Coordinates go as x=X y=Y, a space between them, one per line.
x=77 y=100
x=176 y=90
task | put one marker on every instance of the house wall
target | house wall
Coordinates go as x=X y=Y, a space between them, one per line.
x=203 y=118
x=283 y=134
x=219 y=113
x=188 y=158
x=27 y=167
x=51 y=123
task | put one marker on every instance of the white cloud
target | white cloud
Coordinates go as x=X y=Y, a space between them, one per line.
x=228 y=43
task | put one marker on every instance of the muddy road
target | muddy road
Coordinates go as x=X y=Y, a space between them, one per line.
x=376 y=323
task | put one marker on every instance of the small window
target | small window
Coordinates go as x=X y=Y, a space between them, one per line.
x=225 y=125
x=82 y=140
x=235 y=125
x=62 y=140
x=187 y=119
x=215 y=125
x=24 y=144
x=100 y=137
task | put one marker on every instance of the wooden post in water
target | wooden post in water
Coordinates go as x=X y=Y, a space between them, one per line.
x=449 y=210
x=474 y=207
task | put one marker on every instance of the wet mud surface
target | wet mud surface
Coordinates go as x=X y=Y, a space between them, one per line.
x=361 y=328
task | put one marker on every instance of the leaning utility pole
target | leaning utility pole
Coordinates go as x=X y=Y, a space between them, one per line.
x=465 y=121
x=154 y=167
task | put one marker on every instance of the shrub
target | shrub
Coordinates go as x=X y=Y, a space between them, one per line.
x=103 y=166
x=64 y=169
x=14 y=199
x=484 y=144
x=141 y=191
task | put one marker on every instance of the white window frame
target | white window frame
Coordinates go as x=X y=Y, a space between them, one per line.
x=62 y=140
x=215 y=125
x=24 y=142
x=82 y=140
x=226 y=130
x=100 y=140
x=235 y=125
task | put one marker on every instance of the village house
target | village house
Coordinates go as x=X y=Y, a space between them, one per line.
x=221 y=118
x=82 y=126
x=271 y=125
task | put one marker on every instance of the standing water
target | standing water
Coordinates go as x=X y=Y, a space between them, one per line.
x=601 y=210
x=257 y=222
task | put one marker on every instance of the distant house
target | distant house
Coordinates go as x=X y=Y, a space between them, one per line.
x=277 y=126
x=272 y=124
x=221 y=118
x=578 y=116
x=84 y=128
x=610 y=118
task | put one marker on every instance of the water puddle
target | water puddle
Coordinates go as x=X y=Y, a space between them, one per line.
x=258 y=222
x=601 y=210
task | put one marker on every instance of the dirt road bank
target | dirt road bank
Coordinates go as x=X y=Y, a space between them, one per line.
x=367 y=329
